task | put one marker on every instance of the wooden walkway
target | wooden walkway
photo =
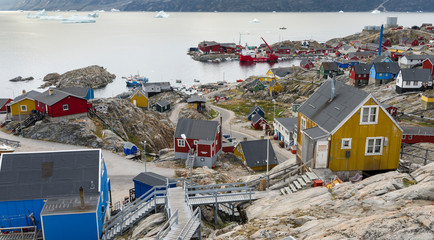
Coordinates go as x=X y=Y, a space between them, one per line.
x=176 y=199
x=221 y=198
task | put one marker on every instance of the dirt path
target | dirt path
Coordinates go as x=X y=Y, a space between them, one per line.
x=120 y=170
x=175 y=112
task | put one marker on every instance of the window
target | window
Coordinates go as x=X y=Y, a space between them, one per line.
x=414 y=83
x=181 y=143
x=195 y=142
x=360 y=75
x=403 y=136
x=346 y=143
x=303 y=123
x=369 y=115
x=410 y=137
x=380 y=74
x=407 y=83
x=374 y=146
x=23 y=108
x=65 y=107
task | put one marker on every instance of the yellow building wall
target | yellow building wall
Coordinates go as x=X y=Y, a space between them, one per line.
x=309 y=124
x=141 y=100
x=15 y=108
x=270 y=73
x=276 y=88
x=385 y=127
x=192 y=105
x=239 y=153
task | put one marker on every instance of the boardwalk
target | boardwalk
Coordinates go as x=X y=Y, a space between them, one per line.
x=176 y=198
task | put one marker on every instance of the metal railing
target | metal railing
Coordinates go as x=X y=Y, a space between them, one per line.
x=25 y=232
x=168 y=226
x=189 y=226
x=10 y=142
x=424 y=154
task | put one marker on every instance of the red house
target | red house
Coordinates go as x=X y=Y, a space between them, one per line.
x=391 y=110
x=306 y=64
x=56 y=103
x=3 y=103
x=429 y=64
x=411 y=42
x=209 y=46
x=359 y=75
x=284 y=50
x=387 y=43
x=418 y=135
x=219 y=97
x=258 y=122
x=203 y=141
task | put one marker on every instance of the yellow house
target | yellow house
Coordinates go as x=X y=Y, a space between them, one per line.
x=276 y=73
x=139 y=99
x=347 y=130
x=274 y=87
x=23 y=105
x=254 y=154
x=196 y=102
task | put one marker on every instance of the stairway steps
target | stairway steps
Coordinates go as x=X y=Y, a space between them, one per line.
x=306 y=179
x=293 y=188
x=311 y=175
x=297 y=185
x=288 y=190
x=302 y=183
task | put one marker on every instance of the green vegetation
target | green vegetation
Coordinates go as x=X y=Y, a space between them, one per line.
x=408 y=182
x=213 y=114
x=241 y=107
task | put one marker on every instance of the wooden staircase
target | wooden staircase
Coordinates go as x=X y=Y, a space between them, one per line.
x=301 y=182
x=32 y=119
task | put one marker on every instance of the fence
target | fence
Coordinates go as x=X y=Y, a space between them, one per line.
x=416 y=154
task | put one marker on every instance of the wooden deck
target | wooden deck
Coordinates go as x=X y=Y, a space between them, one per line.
x=223 y=198
x=176 y=198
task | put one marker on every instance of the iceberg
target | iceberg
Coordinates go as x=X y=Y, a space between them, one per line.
x=93 y=15
x=58 y=17
x=161 y=14
x=115 y=10
x=37 y=14
x=376 y=11
x=78 y=19
x=341 y=11
x=255 y=21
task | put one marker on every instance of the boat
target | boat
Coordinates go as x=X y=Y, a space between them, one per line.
x=136 y=80
x=6 y=149
x=240 y=80
x=282 y=28
x=252 y=56
x=196 y=80
x=376 y=11
x=178 y=81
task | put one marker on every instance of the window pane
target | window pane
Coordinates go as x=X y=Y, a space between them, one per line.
x=378 y=142
x=377 y=149
x=365 y=114
x=370 y=149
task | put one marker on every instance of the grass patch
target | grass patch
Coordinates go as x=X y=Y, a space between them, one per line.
x=408 y=182
x=213 y=114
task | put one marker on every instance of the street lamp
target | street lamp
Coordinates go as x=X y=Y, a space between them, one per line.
x=144 y=153
x=191 y=164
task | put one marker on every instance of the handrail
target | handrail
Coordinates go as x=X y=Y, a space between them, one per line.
x=196 y=216
x=167 y=226
x=219 y=190
x=213 y=186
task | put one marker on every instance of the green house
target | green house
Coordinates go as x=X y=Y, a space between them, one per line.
x=257 y=85
x=161 y=106
x=328 y=68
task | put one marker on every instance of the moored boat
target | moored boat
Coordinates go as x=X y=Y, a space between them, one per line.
x=252 y=56
x=136 y=80
x=6 y=149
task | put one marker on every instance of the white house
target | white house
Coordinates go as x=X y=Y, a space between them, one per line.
x=409 y=80
x=284 y=129
x=411 y=60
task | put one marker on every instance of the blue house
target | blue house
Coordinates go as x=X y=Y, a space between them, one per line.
x=383 y=72
x=255 y=110
x=147 y=180
x=65 y=194
x=82 y=92
x=130 y=149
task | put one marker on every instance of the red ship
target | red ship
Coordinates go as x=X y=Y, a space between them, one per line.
x=252 y=56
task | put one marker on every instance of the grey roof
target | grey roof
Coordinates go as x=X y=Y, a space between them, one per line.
x=163 y=85
x=253 y=109
x=70 y=204
x=380 y=59
x=43 y=175
x=361 y=68
x=418 y=130
x=255 y=153
x=418 y=57
x=129 y=145
x=196 y=98
x=163 y=103
x=3 y=101
x=151 y=179
x=315 y=133
x=55 y=97
x=208 y=43
x=31 y=95
x=330 y=66
x=361 y=54
x=305 y=61
x=282 y=72
x=288 y=123
x=196 y=129
x=329 y=114
x=387 y=67
x=421 y=75
x=256 y=118
x=76 y=91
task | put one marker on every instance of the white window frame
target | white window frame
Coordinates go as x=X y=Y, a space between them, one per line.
x=407 y=83
x=181 y=143
x=23 y=108
x=349 y=143
x=67 y=107
x=370 y=107
x=195 y=142
x=302 y=123
x=373 y=153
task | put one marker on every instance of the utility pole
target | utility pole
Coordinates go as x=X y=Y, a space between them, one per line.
x=144 y=153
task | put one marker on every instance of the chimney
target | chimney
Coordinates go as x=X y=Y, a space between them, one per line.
x=24 y=92
x=333 y=83
x=50 y=91
x=82 y=204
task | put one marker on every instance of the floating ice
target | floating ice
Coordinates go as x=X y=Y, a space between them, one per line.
x=78 y=19
x=255 y=21
x=161 y=14
x=37 y=14
x=376 y=11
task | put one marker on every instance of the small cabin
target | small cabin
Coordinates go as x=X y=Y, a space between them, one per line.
x=145 y=181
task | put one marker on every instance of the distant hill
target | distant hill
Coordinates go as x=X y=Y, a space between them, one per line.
x=223 y=5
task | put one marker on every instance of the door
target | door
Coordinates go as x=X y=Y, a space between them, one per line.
x=134 y=102
x=322 y=148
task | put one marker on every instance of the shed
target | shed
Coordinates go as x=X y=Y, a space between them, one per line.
x=254 y=154
x=3 y=103
x=130 y=149
x=147 y=180
x=162 y=106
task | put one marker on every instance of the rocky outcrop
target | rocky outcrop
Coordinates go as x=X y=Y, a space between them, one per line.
x=392 y=205
x=21 y=79
x=92 y=76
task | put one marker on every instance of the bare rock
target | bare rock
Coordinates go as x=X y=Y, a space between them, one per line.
x=147 y=225
x=51 y=77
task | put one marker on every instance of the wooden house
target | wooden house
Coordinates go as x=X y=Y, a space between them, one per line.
x=197 y=102
x=56 y=103
x=284 y=130
x=203 y=138
x=256 y=110
x=412 y=60
x=328 y=68
x=139 y=99
x=259 y=122
x=398 y=51
x=347 y=130
x=306 y=64
x=145 y=181
x=393 y=111
x=281 y=72
x=154 y=88
x=410 y=80
x=355 y=56
x=254 y=154
x=220 y=97
x=284 y=50
x=383 y=72
x=22 y=106
x=209 y=46
x=82 y=92
x=274 y=87
x=3 y=103
x=387 y=42
x=409 y=42
x=381 y=59
x=162 y=106
x=429 y=64
x=52 y=190
x=359 y=75
x=413 y=135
